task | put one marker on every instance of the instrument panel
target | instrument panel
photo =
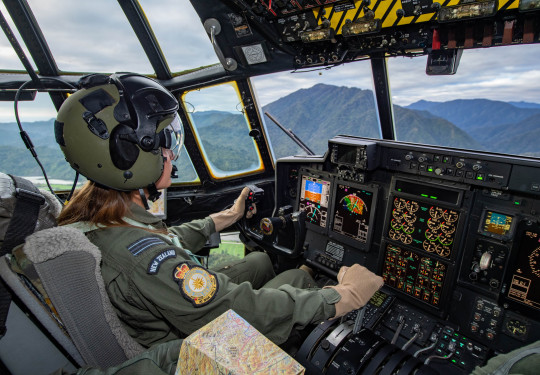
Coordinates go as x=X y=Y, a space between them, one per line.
x=458 y=249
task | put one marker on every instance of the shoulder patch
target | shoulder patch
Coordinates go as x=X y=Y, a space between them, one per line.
x=197 y=285
x=153 y=266
x=144 y=243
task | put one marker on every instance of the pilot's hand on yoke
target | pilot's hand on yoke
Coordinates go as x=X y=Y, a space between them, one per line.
x=231 y=215
x=356 y=285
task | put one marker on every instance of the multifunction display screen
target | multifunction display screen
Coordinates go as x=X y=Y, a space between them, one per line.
x=352 y=210
x=525 y=282
x=424 y=226
x=314 y=196
x=421 y=277
x=497 y=223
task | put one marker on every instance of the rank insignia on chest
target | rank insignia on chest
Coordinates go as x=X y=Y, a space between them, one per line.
x=197 y=285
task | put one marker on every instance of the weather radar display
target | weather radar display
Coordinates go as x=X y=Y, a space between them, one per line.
x=314 y=196
x=352 y=211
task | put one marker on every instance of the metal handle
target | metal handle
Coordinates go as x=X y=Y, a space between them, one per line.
x=213 y=28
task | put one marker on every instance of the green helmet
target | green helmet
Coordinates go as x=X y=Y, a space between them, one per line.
x=112 y=130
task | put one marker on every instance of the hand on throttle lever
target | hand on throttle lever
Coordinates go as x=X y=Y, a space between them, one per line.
x=356 y=285
x=231 y=215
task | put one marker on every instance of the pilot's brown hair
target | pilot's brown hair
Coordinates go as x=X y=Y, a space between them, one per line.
x=96 y=205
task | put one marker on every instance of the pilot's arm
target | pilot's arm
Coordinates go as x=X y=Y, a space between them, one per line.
x=194 y=234
x=161 y=293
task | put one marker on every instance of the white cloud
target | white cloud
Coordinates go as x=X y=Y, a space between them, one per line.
x=80 y=37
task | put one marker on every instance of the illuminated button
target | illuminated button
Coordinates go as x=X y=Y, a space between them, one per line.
x=446 y=159
x=490 y=335
x=480 y=177
x=430 y=168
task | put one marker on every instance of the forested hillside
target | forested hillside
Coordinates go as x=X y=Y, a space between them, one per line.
x=314 y=115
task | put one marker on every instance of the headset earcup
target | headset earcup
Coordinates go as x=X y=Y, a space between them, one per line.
x=123 y=149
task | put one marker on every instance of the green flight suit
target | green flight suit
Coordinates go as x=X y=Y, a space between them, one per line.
x=160 y=293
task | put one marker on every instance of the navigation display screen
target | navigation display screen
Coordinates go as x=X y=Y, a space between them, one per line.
x=314 y=196
x=419 y=276
x=497 y=223
x=352 y=211
x=423 y=225
x=525 y=278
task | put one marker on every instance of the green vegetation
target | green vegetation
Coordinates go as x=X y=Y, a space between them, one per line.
x=314 y=115
x=226 y=141
x=227 y=252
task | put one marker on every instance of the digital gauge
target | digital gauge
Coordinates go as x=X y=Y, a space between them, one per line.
x=352 y=212
x=424 y=226
x=525 y=273
x=314 y=196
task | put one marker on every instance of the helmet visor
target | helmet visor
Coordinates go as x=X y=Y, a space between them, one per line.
x=174 y=137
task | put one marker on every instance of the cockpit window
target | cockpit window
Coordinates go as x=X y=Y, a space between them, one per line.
x=9 y=57
x=171 y=22
x=221 y=125
x=317 y=105
x=78 y=45
x=37 y=118
x=478 y=108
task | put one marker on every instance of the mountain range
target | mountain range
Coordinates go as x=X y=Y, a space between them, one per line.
x=315 y=115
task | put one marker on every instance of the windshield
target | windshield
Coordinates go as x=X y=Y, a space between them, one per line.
x=490 y=104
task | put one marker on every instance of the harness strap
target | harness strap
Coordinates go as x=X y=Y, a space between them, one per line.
x=21 y=225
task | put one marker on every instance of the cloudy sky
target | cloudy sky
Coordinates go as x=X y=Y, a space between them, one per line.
x=95 y=36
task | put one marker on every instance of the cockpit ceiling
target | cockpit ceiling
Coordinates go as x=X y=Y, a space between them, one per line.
x=254 y=37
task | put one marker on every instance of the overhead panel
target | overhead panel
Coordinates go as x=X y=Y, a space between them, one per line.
x=335 y=14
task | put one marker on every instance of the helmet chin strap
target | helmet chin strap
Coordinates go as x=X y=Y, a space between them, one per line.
x=153 y=195
x=143 y=199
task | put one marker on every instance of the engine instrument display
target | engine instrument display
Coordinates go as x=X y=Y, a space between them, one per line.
x=525 y=279
x=419 y=276
x=352 y=212
x=496 y=223
x=314 y=196
x=424 y=226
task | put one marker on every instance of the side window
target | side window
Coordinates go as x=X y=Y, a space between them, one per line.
x=37 y=119
x=222 y=130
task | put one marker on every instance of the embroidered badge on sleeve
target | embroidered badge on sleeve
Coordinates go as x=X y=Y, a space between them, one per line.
x=153 y=267
x=198 y=285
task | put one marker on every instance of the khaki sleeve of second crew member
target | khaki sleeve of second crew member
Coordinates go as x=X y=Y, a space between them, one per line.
x=190 y=296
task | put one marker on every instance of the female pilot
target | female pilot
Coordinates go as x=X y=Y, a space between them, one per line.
x=122 y=133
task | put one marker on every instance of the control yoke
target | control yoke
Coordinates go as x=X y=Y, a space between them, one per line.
x=283 y=235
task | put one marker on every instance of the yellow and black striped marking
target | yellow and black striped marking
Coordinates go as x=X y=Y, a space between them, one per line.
x=387 y=11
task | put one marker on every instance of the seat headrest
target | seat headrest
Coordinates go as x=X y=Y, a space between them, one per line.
x=47 y=214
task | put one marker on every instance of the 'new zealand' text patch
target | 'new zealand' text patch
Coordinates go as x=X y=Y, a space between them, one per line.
x=153 y=267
